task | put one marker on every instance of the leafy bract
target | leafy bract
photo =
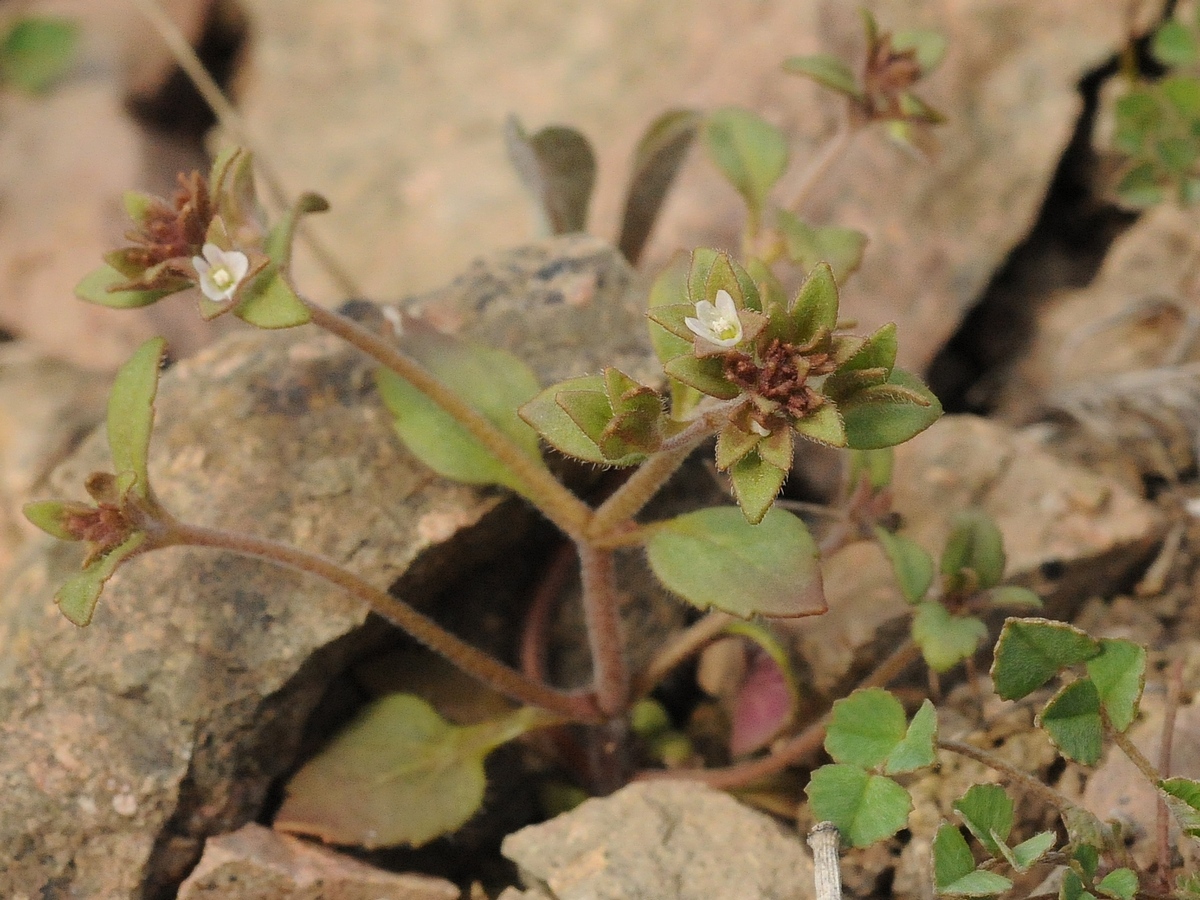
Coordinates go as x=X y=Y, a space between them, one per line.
x=954 y=872
x=912 y=566
x=826 y=70
x=558 y=167
x=1031 y=651
x=492 y=381
x=78 y=597
x=397 y=774
x=865 y=808
x=713 y=558
x=659 y=154
x=1119 y=673
x=1072 y=720
x=945 y=639
x=756 y=484
x=131 y=413
x=749 y=151
x=95 y=288
x=883 y=417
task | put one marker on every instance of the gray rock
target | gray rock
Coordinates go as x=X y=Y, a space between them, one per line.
x=125 y=745
x=661 y=840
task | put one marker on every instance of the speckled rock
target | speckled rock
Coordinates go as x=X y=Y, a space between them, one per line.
x=125 y=745
x=661 y=840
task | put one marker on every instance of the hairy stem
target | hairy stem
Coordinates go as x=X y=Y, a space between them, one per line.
x=1129 y=748
x=232 y=122
x=687 y=643
x=1059 y=801
x=473 y=661
x=796 y=749
x=602 y=613
x=558 y=504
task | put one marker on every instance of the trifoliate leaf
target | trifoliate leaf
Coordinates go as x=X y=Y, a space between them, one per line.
x=865 y=727
x=865 y=808
x=1119 y=673
x=1032 y=651
x=987 y=811
x=1072 y=720
x=954 y=872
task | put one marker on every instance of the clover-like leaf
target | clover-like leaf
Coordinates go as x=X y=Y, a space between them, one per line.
x=944 y=638
x=1120 y=884
x=825 y=70
x=713 y=558
x=660 y=153
x=865 y=808
x=558 y=167
x=37 y=51
x=131 y=412
x=912 y=566
x=1023 y=856
x=494 y=382
x=954 y=872
x=78 y=597
x=1072 y=720
x=749 y=151
x=807 y=245
x=865 y=727
x=878 y=417
x=974 y=544
x=987 y=811
x=1183 y=798
x=1032 y=651
x=1119 y=673
x=397 y=774
x=918 y=749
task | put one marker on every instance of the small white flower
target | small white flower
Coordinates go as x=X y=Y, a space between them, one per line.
x=760 y=430
x=220 y=271
x=717 y=324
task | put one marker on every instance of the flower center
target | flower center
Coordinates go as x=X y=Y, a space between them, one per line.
x=222 y=277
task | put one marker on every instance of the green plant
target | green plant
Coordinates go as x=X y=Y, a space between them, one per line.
x=36 y=51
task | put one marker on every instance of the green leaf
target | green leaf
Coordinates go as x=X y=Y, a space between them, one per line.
x=37 y=51
x=1072 y=720
x=270 y=302
x=1023 y=856
x=912 y=566
x=1174 y=44
x=397 y=774
x=815 y=309
x=1119 y=673
x=974 y=544
x=865 y=727
x=548 y=417
x=131 y=412
x=756 y=484
x=94 y=288
x=823 y=425
x=807 y=245
x=1183 y=797
x=1012 y=595
x=929 y=44
x=656 y=162
x=494 y=382
x=876 y=465
x=987 y=811
x=1120 y=884
x=51 y=516
x=558 y=167
x=714 y=559
x=1032 y=651
x=1140 y=187
x=278 y=245
x=750 y=152
x=954 y=872
x=918 y=750
x=877 y=352
x=705 y=375
x=825 y=70
x=945 y=639
x=670 y=289
x=876 y=418
x=78 y=597
x=865 y=808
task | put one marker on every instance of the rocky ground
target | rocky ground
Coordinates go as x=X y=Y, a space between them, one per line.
x=150 y=748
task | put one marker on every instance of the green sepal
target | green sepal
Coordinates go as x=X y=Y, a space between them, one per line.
x=732 y=444
x=883 y=417
x=825 y=70
x=756 y=484
x=815 y=308
x=94 y=288
x=705 y=375
x=51 y=516
x=78 y=597
x=551 y=420
x=823 y=425
x=777 y=448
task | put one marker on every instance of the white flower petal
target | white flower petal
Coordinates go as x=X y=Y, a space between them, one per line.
x=718 y=324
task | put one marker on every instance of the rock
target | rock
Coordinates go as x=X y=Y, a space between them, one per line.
x=256 y=863
x=46 y=407
x=127 y=744
x=661 y=840
x=1068 y=533
x=398 y=118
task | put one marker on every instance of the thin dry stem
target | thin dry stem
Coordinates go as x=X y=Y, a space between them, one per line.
x=819 y=166
x=684 y=645
x=473 y=661
x=1163 y=817
x=235 y=125
x=1059 y=801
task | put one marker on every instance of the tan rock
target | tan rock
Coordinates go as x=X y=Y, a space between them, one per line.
x=256 y=863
